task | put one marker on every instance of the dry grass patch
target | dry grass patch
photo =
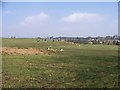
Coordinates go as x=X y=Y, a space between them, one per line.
x=22 y=51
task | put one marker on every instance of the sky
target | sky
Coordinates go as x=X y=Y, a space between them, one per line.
x=70 y=19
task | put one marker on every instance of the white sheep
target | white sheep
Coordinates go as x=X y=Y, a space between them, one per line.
x=48 y=48
x=61 y=50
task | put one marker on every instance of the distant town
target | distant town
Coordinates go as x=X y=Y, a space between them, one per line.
x=108 y=40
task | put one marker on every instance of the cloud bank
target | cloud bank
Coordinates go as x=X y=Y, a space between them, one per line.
x=82 y=17
x=39 y=18
x=33 y=25
x=75 y=24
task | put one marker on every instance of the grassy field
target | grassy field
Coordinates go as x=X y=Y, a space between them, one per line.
x=84 y=66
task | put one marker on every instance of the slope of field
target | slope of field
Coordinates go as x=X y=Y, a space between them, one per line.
x=84 y=66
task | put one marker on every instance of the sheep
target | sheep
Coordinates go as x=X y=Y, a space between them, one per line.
x=72 y=42
x=53 y=50
x=61 y=50
x=48 y=48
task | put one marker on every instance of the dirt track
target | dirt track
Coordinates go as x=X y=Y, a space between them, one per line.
x=15 y=51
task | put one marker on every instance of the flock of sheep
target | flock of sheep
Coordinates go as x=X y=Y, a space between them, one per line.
x=50 y=49
x=61 y=49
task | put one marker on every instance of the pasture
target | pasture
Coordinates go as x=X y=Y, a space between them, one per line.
x=84 y=66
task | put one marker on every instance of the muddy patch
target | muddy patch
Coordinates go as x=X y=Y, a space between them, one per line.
x=22 y=51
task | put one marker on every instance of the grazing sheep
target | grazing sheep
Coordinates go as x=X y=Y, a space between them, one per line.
x=90 y=43
x=48 y=48
x=61 y=50
x=79 y=45
x=72 y=42
x=53 y=50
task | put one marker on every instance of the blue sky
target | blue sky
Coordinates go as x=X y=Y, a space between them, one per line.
x=33 y=19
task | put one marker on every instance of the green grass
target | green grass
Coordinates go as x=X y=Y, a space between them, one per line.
x=87 y=66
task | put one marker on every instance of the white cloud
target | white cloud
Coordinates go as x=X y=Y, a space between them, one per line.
x=88 y=24
x=40 y=18
x=8 y=12
x=35 y=25
x=83 y=17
